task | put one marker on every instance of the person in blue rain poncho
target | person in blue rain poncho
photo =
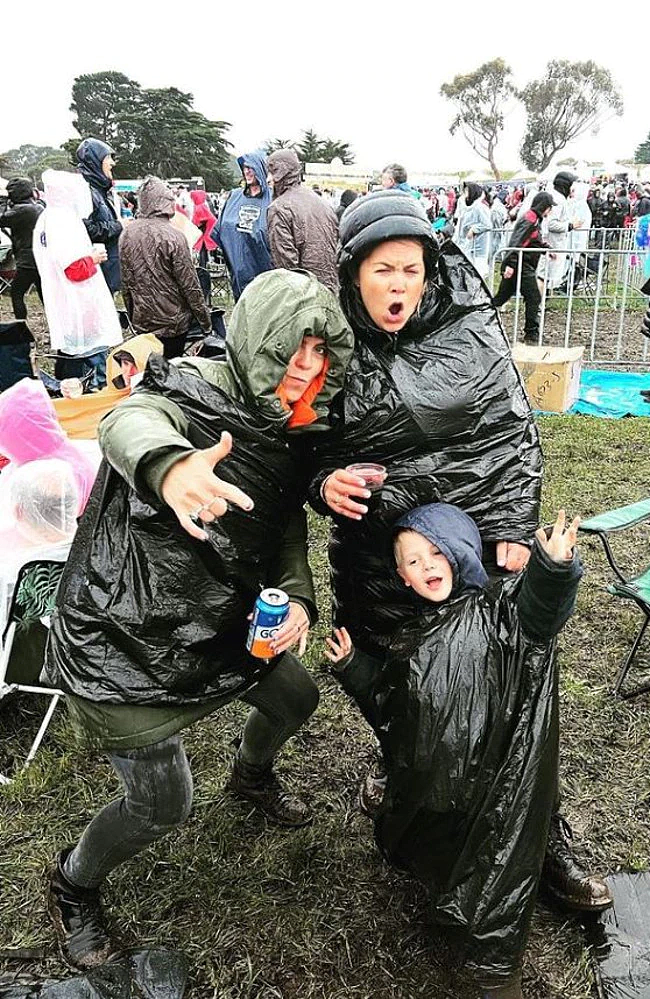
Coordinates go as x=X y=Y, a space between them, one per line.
x=242 y=229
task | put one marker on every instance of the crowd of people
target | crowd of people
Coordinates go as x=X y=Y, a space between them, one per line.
x=361 y=332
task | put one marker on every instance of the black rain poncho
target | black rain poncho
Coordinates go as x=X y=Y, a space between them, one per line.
x=467 y=706
x=146 y=614
x=440 y=403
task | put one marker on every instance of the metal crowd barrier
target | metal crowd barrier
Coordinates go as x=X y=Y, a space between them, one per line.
x=599 y=281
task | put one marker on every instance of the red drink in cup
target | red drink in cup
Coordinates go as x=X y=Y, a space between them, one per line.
x=373 y=475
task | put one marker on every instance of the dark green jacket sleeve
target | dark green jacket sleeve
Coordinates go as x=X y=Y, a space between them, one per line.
x=291 y=572
x=548 y=594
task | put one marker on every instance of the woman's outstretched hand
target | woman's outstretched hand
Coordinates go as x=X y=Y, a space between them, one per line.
x=194 y=492
x=512 y=556
x=563 y=538
x=338 y=490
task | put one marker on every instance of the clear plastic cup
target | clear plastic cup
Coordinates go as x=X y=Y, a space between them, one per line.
x=373 y=475
x=71 y=388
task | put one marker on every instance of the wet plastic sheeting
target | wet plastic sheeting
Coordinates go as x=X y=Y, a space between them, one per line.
x=154 y=974
x=621 y=938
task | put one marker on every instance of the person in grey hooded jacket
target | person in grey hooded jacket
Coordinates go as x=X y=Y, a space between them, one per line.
x=161 y=291
x=303 y=230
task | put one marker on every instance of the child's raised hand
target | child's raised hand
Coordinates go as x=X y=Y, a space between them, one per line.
x=562 y=541
x=339 y=647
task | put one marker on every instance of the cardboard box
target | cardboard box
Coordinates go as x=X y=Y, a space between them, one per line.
x=551 y=375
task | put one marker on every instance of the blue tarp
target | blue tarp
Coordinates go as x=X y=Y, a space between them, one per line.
x=611 y=394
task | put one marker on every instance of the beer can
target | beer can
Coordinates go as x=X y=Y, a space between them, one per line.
x=270 y=611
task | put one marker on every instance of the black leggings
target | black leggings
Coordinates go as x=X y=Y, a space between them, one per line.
x=24 y=279
x=531 y=295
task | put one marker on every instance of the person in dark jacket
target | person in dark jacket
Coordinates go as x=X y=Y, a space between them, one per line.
x=432 y=393
x=96 y=161
x=347 y=198
x=160 y=286
x=525 y=235
x=242 y=230
x=18 y=220
x=468 y=712
x=303 y=229
x=149 y=632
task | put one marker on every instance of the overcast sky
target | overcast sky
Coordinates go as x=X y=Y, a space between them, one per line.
x=366 y=73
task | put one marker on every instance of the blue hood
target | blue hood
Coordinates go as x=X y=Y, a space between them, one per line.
x=90 y=154
x=457 y=537
x=241 y=231
x=256 y=160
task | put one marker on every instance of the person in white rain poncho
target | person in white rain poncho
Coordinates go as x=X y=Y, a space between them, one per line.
x=79 y=307
x=551 y=269
x=580 y=219
x=475 y=228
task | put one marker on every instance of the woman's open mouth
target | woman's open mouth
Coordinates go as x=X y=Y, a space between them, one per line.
x=395 y=313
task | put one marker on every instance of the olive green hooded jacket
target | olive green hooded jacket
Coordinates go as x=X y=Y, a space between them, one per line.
x=148 y=616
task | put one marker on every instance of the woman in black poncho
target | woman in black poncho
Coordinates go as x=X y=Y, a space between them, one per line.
x=432 y=393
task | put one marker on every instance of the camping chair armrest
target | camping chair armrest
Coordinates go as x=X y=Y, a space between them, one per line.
x=617 y=520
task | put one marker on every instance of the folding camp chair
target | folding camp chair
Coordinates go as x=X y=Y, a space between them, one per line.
x=7 y=268
x=24 y=638
x=635 y=588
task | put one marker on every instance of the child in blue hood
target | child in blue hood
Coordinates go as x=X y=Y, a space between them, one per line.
x=467 y=709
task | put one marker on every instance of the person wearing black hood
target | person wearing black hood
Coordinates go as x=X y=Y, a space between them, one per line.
x=432 y=393
x=18 y=220
x=526 y=235
x=551 y=268
x=96 y=161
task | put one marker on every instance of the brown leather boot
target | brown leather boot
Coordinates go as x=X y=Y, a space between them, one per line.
x=261 y=785
x=564 y=879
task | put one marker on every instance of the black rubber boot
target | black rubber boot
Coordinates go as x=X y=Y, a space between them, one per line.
x=78 y=920
x=509 y=990
x=261 y=785
x=564 y=879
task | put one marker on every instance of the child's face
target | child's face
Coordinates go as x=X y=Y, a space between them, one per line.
x=422 y=566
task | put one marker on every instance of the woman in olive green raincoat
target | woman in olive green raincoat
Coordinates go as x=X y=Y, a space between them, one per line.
x=150 y=627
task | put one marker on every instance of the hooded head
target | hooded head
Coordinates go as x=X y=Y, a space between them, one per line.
x=541 y=202
x=347 y=198
x=258 y=164
x=91 y=153
x=20 y=190
x=455 y=536
x=69 y=191
x=369 y=221
x=30 y=431
x=563 y=180
x=285 y=169
x=156 y=199
x=472 y=193
x=268 y=324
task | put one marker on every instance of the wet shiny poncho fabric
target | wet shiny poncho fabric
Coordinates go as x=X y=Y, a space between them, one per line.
x=146 y=609
x=442 y=405
x=146 y=614
x=468 y=724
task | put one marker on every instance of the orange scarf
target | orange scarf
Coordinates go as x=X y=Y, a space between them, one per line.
x=301 y=410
